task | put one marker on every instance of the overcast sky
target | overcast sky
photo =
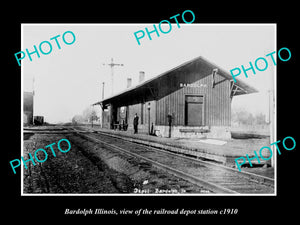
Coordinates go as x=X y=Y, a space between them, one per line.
x=70 y=79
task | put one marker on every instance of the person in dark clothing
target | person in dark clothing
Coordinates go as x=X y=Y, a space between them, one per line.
x=170 y=117
x=135 y=123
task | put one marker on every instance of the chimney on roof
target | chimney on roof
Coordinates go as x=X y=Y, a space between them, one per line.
x=129 y=82
x=141 y=76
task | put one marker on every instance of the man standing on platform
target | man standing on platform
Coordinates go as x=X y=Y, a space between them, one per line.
x=135 y=123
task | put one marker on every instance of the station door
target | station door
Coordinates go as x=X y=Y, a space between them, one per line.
x=194 y=110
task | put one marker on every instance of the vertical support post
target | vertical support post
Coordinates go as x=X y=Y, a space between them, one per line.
x=92 y=116
x=112 y=116
x=112 y=76
x=32 y=120
x=149 y=129
x=272 y=131
x=101 y=120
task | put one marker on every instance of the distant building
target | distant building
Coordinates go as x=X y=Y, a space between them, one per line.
x=28 y=108
x=38 y=120
x=191 y=100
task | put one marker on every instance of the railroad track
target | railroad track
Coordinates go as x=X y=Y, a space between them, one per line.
x=214 y=177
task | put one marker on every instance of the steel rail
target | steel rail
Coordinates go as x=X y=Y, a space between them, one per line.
x=195 y=180
x=189 y=177
x=251 y=176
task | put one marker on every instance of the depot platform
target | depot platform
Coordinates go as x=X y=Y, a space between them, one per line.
x=220 y=151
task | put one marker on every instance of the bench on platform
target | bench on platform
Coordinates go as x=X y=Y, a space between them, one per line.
x=118 y=126
x=194 y=130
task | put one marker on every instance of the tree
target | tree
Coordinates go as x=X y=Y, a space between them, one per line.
x=89 y=114
x=242 y=117
x=260 y=118
x=77 y=119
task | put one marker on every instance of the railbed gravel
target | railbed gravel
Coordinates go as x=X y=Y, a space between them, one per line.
x=93 y=168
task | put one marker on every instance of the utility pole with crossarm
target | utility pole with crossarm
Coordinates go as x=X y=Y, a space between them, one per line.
x=112 y=64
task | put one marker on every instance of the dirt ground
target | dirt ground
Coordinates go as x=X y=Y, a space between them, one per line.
x=69 y=172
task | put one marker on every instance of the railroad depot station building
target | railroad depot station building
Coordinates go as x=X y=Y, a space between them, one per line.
x=190 y=100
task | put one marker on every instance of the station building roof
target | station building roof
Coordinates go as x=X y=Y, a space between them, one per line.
x=237 y=88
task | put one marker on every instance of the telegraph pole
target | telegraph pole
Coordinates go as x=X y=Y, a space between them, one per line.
x=112 y=64
x=103 y=90
x=271 y=123
x=101 y=107
x=33 y=93
x=272 y=111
